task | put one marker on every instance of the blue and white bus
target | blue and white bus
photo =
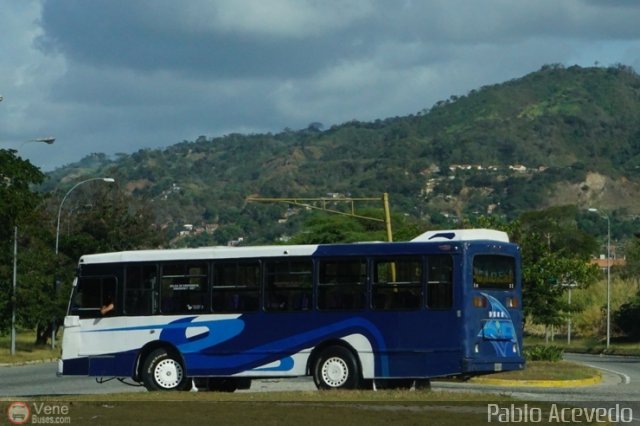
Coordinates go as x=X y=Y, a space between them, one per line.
x=447 y=303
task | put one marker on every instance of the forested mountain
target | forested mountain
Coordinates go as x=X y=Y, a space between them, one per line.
x=555 y=136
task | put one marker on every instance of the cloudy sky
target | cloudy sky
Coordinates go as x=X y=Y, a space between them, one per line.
x=121 y=75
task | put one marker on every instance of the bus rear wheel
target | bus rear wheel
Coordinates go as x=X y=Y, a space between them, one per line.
x=163 y=371
x=336 y=368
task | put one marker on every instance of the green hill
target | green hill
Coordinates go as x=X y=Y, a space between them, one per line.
x=555 y=136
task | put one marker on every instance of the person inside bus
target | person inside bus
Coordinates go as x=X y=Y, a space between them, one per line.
x=107 y=306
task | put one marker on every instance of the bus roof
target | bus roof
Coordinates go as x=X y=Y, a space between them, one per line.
x=220 y=252
x=224 y=252
x=463 y=235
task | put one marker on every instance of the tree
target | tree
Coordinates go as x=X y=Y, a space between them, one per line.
x=324 y=228
x=97 y=218
x=20 y=208
x=555 y=255
x=102 y=218
x=631 y=269
x=328 y=228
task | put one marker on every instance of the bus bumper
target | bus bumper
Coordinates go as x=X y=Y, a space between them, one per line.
x=73 y=367
x=474 y=366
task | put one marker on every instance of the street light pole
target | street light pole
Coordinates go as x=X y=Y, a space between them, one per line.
x=108 y=180
x=14 y=298
x=606 y=216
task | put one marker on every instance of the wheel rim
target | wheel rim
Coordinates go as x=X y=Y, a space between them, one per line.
x=168 y=374
x=335 y=372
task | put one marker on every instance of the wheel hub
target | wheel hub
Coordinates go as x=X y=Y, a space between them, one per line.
x=335 y=372
x=168 y=374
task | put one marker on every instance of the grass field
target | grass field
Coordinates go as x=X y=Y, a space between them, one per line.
x=546 y=370
x=26 y=350
x=356 y=408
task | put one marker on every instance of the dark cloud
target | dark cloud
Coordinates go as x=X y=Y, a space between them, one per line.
x=118 y=75
x=121 y=34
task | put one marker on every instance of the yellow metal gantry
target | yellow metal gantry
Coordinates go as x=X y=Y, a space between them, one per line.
x=324 y=201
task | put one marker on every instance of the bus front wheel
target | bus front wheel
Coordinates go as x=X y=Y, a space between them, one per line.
x=336 y=368
x=163 y=371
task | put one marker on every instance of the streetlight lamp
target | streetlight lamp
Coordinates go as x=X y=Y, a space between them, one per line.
x=104 y=179
x=49 y=140
x=602 y=214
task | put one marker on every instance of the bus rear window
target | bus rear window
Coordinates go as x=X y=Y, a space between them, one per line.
x=493 y=272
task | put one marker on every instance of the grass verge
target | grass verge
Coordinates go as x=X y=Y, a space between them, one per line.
x=547 y=370
x=26 y=349
x=356 y=408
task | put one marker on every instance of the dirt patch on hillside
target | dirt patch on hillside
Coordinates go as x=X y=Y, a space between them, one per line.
x=598 y=190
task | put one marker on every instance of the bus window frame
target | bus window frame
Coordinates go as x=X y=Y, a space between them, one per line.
x=153 y=290
x=362 y=286
x=240 y=289
x=432 y=283
x=94 y=312
x=273 y=296
x=166 y=301
x=396 y=285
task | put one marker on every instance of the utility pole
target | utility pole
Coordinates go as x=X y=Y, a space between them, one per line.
x=312 y=203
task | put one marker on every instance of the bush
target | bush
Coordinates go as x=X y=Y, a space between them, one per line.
x=627 y=318
x=543 y=353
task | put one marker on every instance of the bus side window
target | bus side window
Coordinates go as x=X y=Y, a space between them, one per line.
x=139 y=286
x=397 y=284
x=236 y=286
x=440 y=282
x=288 y=285
x=184 y=287
x=341 y=284
x=91 y=293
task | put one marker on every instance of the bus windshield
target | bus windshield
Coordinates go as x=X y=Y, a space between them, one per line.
x=493 y=272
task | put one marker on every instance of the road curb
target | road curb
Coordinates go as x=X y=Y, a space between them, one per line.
x=589 y=381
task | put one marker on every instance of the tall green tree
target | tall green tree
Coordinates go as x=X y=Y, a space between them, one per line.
x=631 y=270
x=96 y=218
x=555 y=255
x=327 y=228
x=102 y=218
x=21 y=209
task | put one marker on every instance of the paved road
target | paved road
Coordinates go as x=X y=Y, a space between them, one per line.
x=621 y=383
x=40 y=379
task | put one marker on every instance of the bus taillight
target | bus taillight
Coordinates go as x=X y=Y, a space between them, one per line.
x=479 y=301
x=512 y=302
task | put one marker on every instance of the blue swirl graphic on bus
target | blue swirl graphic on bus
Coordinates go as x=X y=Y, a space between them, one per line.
x=285 y=364
x=498 y=328
x=199 y=352
x=216 y=332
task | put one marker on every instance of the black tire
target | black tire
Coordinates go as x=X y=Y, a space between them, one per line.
x=163 y=371
x=336 y=368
